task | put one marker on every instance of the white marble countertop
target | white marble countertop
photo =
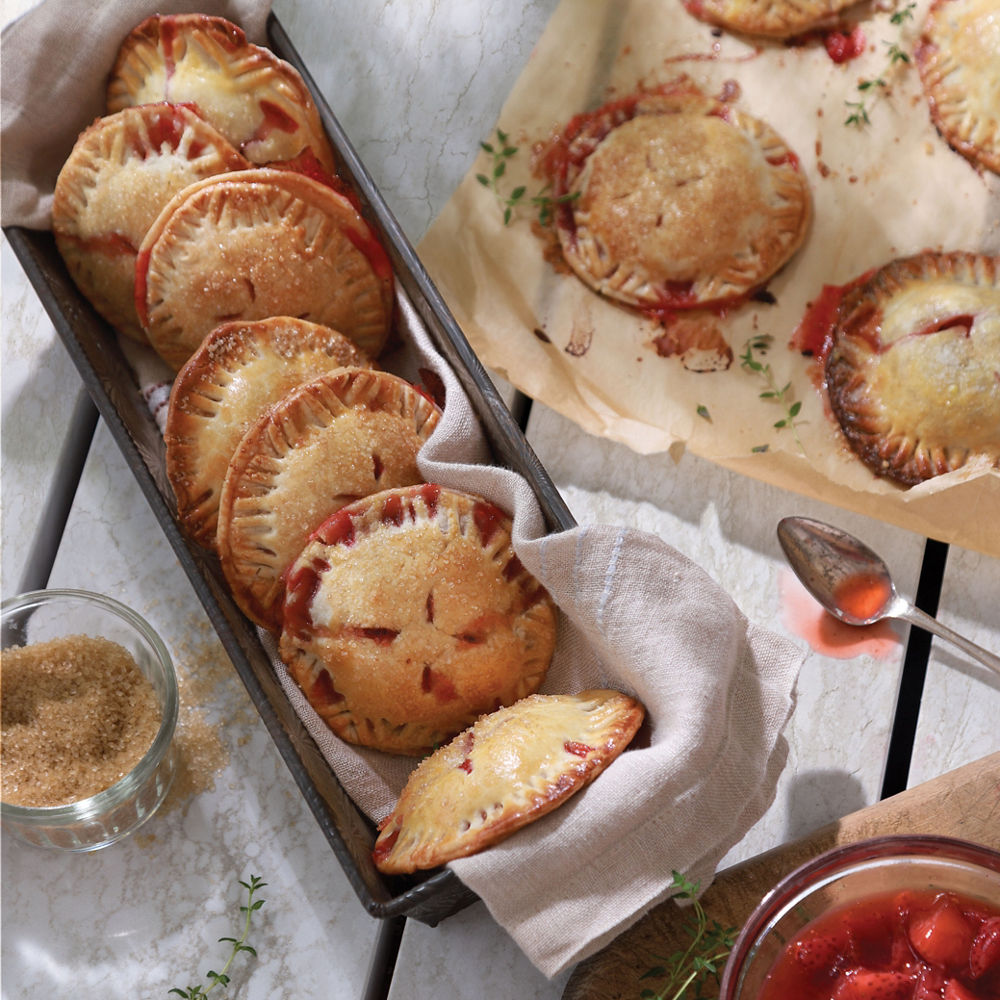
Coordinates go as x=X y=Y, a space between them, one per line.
x=416 y=86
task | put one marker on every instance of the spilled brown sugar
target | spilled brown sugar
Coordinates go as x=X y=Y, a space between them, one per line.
x=77 y=715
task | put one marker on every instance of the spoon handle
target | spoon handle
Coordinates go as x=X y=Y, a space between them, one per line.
x=917 y=617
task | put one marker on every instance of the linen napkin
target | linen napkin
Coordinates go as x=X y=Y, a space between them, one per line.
x=636 y=615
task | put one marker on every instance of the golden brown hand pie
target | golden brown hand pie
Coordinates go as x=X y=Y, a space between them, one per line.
x=509 y=769
x=771 y=18
x=258 y=101
x=260 y=243
x=328 y=442
x=913 y=373
x=959 y=60
x=236 y=374
x=683 y=201
x=123 y=169
x=408 y=615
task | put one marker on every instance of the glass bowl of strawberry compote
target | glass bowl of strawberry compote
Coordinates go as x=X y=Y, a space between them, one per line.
x=893 y=918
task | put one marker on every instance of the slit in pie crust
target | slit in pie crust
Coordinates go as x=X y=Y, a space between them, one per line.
x=683 y=201
x=510 y=768
x=913 y=372
x=328 y=442
x=258 y=101
x=237 y=373
x=959 y=61
x=259 y=243
x=770 y=18
x=408 y=616
x=122 y=170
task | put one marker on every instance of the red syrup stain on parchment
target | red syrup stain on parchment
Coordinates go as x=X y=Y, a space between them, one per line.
x=803 y=616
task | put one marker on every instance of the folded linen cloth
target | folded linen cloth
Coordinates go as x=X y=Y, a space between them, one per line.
x=636 y=615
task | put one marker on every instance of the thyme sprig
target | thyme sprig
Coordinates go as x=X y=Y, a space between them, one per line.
x=689 y=968
x=871 y=88
x=501 y=151
x=238 y=945
x=760 y=344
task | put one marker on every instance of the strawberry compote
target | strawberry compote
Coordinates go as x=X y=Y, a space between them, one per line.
x=909 y=945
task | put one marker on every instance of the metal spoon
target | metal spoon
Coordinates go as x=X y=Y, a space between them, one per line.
x=854 y=584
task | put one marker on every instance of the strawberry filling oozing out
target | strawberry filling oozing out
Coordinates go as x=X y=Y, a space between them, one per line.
x=907 y=945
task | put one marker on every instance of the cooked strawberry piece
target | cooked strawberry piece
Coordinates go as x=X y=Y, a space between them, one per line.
x=954 y=990
x=942 y=936
x=864 y=984
x=985 y=951
x=930 y=984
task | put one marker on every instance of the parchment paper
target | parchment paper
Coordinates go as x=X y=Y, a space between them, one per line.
x=886 y=190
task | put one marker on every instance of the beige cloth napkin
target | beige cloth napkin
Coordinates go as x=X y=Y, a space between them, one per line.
x=636 y=614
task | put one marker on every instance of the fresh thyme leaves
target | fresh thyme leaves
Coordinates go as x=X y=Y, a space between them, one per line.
x=238 y=945
x=501 y=151
x=702 y=412
x=869 y=89
x=759 y=345
x=709 y=945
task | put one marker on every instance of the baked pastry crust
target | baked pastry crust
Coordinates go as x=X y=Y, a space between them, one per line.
x=260 y=243
x=330 y=441
x=770 y=18
x=683 y=201
x=122 y=170
x=258 y=101
x=912 y=373
x=959 y=61
x=408 y=615
x=237 y=373
x=509 y=769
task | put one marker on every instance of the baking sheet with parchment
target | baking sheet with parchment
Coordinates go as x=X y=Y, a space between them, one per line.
x=886 y=190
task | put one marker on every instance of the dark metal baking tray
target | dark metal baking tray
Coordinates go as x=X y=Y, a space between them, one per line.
x=109 y=379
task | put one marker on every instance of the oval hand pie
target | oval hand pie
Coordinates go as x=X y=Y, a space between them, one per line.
x=236 y=374
x=683 y=201
x=328 y=442
x=260 y=243
x=123 y=169
x=258 y=101
x=509 y=769
x=770 y=18
x=959 y=61
x=408 y=615
x=913 y=373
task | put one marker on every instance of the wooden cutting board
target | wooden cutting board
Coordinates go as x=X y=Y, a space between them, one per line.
x=963 y=803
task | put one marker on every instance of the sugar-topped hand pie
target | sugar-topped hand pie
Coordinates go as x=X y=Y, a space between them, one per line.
x=408 y=615
x=913 y=373
x=510 y=768
x=680 y=200
x=770 y=18
x=123 y=169
x=258 y=101
x=237 y=373
x=260 y=243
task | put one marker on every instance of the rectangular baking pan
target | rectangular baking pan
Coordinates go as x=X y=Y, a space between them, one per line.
x=108 y=378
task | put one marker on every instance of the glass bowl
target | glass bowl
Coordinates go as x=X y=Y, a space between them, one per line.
x=845 y=875
x=109 y=815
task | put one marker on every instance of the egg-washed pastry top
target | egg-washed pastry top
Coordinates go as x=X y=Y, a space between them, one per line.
x=236 y=374
x=675 y=200
x=258 y=101
x=770 y=18
x=510 y=768
x=121 y=172
x=913 y=371
x=408 y=615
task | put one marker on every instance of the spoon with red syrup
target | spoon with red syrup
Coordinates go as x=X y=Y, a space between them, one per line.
x=853 y=583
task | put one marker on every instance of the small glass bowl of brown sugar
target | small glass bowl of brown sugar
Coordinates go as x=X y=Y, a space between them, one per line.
x=89 y=705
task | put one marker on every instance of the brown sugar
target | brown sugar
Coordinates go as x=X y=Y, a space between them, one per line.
x=77 y=714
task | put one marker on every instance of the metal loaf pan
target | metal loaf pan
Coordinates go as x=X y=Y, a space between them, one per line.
x=94 y=349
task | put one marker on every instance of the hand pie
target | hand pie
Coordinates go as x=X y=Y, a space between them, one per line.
x=328 y=442
x=509 y=769
x=123 y=169
x=959 y=61
x=258 y=101
x=236 y=374
x=912 y=370
x=683 y=201
x=770 y=18
x=408 y=615
x=260 y=243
